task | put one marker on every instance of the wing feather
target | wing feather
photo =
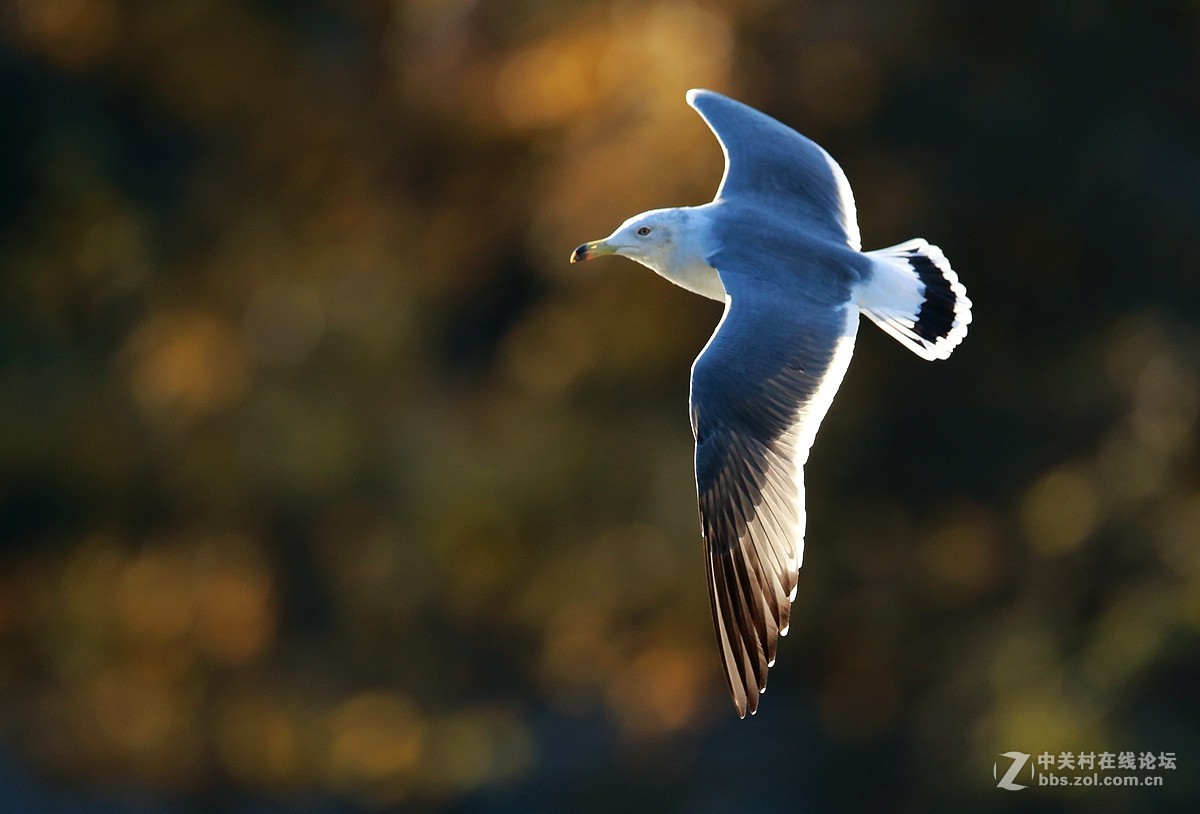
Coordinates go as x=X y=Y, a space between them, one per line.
x=764 y=157
x=760 y=388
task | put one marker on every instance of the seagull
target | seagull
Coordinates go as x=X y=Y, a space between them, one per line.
x=780 y=246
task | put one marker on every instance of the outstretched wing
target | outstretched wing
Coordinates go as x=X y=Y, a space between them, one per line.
x=760 y=388
x=766 y=158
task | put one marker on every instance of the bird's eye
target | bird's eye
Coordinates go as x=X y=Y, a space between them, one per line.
x=643 y=231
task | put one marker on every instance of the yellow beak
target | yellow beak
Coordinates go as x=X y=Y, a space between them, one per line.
x=597 y=248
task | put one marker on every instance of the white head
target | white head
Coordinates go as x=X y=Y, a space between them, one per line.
x=672 y=242
x=650 y=238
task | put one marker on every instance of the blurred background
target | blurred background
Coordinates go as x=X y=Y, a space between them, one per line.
x=327 y=485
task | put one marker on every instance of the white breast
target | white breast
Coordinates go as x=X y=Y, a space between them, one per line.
x=686 y=265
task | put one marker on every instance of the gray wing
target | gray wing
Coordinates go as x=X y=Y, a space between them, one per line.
x=760 y=388
x=766 y=158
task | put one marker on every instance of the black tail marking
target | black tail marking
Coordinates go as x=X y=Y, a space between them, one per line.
x=936 y=317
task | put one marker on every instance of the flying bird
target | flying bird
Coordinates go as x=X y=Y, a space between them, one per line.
x=780 y=246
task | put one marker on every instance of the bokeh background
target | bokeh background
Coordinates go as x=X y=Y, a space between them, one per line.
x=327 y=485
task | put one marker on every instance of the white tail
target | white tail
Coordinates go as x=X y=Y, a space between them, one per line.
x=917 y=298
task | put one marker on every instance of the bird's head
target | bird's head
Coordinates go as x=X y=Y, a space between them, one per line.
x=648 y=238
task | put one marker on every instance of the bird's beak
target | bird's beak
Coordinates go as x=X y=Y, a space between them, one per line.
x=597 y=248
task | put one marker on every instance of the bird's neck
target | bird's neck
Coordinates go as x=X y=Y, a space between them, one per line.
x=686 y=265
